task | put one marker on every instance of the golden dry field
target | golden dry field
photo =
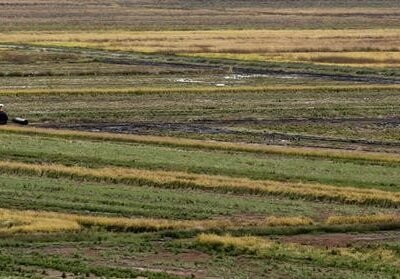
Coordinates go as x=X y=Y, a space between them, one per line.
x=359 y=47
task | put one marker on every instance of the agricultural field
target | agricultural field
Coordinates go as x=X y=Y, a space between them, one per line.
x=200 y=139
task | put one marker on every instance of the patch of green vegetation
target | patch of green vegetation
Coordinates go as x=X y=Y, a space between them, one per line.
x=361 y=259
x=91 y=253
x=277 y=167
x=120 y=200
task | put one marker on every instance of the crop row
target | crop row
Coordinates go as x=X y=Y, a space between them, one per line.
x=206 y=89
x=17 y=221
x=210 y=145
x=166 y=179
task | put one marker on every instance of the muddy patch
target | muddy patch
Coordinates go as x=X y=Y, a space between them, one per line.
x=222 y=129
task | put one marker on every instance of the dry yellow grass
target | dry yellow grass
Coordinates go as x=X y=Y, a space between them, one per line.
x=354 y=59
x=12 y=221
x=128 y=224
x=17 y=221
x=211 y=145
x=146 y=224
x=263 y=247
x=368 y=219
x=210 y=182
x=369 y=58
x=365 y=47
x=28 y=221
x=218 y=41
x=288 y=221
x=245 y=243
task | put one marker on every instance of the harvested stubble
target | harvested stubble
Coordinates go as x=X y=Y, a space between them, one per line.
x=210 y=145
x=208 y=182
x=126 y=224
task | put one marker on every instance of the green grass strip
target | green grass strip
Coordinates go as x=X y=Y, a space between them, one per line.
x=209 y=145
x=164 y=179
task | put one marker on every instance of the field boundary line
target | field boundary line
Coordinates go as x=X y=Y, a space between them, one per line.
x=208 y=145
